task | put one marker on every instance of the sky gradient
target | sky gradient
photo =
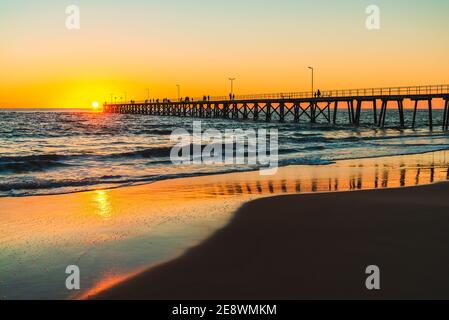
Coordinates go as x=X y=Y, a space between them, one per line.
x=129 y=46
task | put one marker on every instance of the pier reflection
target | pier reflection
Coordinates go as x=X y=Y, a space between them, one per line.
x=389 y=178
x=363 y=174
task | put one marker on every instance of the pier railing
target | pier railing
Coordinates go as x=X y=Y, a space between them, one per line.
x=389 y=91
x=365 y=92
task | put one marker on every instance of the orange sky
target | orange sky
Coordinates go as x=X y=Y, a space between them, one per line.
x=267 y=45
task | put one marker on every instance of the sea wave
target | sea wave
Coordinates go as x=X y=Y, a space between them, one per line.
x=163 y=151
x=60 y=152
x=35 y=163
x=37 y=184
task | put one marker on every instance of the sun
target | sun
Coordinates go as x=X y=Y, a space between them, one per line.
x=95 y=105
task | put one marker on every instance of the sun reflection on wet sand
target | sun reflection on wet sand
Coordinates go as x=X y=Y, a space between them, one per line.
x=103 y=204
x=130 y=228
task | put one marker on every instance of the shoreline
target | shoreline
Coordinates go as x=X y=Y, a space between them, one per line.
x=296 y=254
x=223 y=173
x=111 y=234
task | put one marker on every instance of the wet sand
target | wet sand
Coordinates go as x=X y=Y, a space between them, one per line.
x=314 y=246
x=114 y=234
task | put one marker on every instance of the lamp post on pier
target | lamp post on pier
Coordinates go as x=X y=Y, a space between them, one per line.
x=232 y=87
x=179 y=92
x=311 y=68
x=314 y=104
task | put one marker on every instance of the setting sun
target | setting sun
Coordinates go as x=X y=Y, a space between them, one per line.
x=95 y=105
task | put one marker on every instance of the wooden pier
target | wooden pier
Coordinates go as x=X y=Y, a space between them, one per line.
x=295 y=106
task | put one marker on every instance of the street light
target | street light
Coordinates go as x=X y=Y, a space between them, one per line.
x=232 y=86
x=179 y=92
x=312 y=80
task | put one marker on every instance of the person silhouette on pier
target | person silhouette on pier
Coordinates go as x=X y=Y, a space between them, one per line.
x=318 y=93
x=208 y=98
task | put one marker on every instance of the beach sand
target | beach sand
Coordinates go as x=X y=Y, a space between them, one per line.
x=112 y=235
x=314 y=246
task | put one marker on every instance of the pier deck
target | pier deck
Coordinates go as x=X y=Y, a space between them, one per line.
x=266 y=107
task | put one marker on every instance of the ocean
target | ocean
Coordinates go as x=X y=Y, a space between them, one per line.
x=64 y=151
